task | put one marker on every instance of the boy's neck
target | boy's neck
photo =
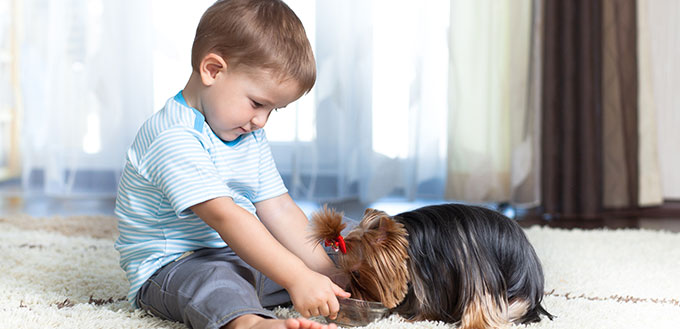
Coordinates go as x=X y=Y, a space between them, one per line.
x=191 y=91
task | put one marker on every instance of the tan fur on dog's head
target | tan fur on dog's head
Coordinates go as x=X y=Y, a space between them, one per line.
x=376 y=262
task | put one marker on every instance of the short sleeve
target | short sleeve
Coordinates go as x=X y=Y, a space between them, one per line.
x=181 y=167
x=270 y=182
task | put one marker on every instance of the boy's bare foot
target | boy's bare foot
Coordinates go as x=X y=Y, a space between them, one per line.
x=252 y=321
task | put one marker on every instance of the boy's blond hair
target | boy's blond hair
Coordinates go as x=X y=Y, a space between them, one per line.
x=261 y=34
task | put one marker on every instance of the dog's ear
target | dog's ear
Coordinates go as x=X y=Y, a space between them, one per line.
x=370 y=212
x=372 y=216
x=388 y=228
x=386 y=224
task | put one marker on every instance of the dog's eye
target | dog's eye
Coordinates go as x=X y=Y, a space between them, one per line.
x=355 y=274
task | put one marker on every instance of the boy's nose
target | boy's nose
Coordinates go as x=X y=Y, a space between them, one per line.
x=259 y=120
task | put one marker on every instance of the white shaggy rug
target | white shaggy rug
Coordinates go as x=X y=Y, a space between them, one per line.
x=63 y=272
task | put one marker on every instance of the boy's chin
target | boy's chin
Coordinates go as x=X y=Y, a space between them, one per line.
x=229 y=137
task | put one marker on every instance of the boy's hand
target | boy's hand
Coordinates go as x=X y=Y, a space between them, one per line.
x=314 y=294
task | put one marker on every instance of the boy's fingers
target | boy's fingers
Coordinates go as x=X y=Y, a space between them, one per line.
x=304 y=313
x=333 y=308
x=339 y=291
x=324 y=310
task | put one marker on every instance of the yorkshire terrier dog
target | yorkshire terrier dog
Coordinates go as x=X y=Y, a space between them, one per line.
x=455 y=263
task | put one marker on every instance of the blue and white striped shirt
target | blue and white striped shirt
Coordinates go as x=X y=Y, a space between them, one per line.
x=175 y=162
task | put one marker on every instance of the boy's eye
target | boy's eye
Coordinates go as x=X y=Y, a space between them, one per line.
x=256 y=104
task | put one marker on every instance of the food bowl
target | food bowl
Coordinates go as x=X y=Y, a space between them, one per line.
x=355 y=312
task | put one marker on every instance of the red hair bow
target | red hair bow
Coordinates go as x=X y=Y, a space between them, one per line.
x=337 y=244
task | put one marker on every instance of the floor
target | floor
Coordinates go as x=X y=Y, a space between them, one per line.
x=44 y=207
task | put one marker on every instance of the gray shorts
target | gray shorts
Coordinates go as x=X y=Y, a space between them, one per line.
x=209 y=288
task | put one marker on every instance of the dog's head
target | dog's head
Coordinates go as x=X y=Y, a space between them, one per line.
x=373 y=256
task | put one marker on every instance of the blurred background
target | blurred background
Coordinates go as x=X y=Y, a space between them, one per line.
x=556 y=110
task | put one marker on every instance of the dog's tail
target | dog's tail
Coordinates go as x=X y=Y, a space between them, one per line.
x=326 y=228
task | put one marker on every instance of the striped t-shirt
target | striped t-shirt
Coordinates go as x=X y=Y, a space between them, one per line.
x=175 y=162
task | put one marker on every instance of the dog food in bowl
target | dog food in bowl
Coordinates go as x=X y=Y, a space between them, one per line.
x=355 y=312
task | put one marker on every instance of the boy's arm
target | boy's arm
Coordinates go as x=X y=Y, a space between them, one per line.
x=312 y=293
x=289 y=225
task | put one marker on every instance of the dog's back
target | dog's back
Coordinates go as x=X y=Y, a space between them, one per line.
x=470 y=265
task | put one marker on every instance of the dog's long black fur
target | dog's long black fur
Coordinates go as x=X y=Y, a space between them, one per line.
x=457 y=252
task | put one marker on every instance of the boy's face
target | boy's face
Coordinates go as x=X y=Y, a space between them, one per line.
x=240 y=101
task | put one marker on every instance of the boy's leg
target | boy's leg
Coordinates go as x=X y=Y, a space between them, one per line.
x=208 y=289
x=271 y=294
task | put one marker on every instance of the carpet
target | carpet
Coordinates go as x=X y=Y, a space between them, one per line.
x=62 y=272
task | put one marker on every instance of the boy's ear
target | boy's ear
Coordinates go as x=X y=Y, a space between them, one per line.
x=211 y=65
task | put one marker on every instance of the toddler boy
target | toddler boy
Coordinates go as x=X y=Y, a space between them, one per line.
x=208 y=233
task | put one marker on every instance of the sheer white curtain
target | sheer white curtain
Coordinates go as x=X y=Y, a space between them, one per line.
x=86 y=87
x=659 y=71
x=380 y=104
x=373 y=126
x=8 y=91
x=494 y=107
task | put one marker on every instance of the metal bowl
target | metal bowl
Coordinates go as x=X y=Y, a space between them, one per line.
x=355 y=312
